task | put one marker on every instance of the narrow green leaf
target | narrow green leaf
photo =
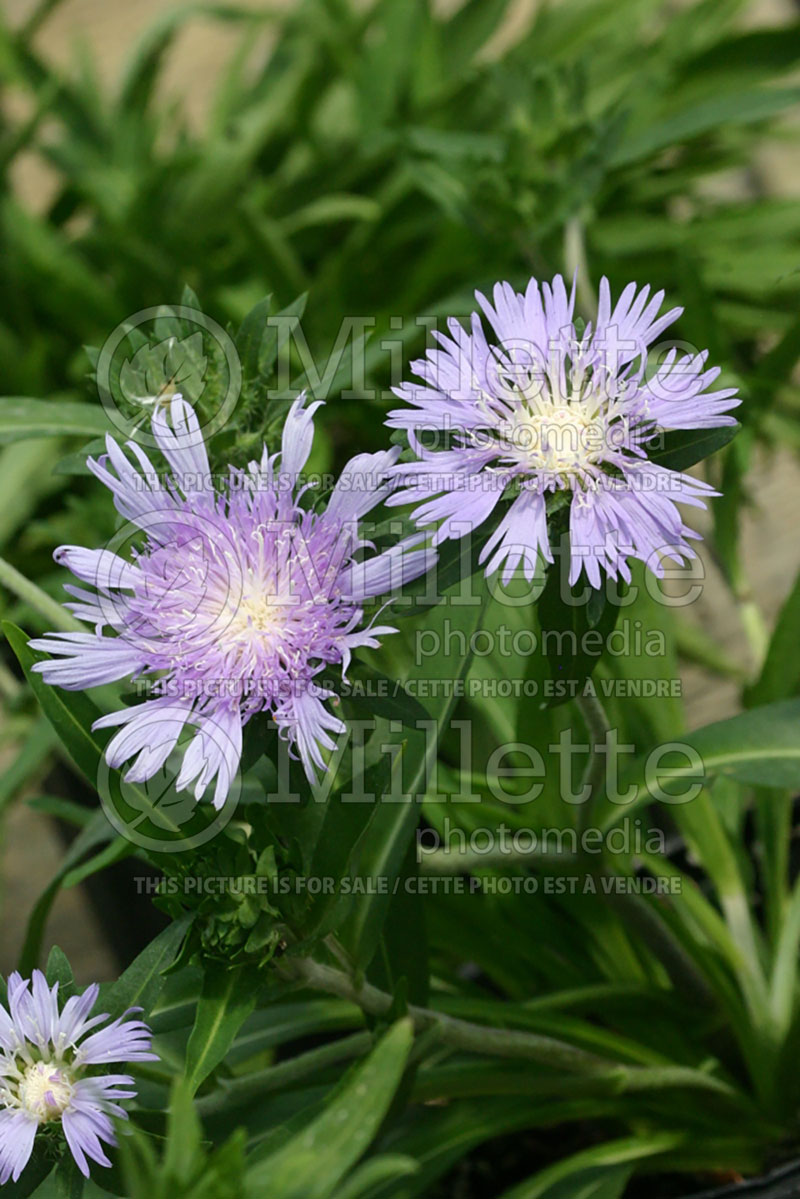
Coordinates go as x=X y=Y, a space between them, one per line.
x=384 y=1168
x=737 y=109
x=228 y=998
x=184 y=1135
x=71 y=720
x=567 y=613
x=601 y=1172
x=313 y=1162
x=21 y=417
x=396 y=816
x=780 y=674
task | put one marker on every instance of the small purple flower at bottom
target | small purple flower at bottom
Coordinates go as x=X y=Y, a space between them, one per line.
x=547 y=406
x=49 y=1072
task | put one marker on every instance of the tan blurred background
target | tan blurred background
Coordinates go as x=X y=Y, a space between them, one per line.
x=29 y=849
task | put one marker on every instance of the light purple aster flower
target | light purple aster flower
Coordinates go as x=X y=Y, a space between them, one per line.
x=235 y=599
x=544 y=408
x=49 y=1071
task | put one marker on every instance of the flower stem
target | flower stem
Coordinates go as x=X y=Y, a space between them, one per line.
x=577 y=265
x=597 y=723
x=459 y=1034
x=252 y=1086
x=500 y=1042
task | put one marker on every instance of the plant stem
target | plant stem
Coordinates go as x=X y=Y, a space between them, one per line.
x=577 y=265
x=460 y=1034
x=499 y=1042
x=597 y=723
x=250 y=1086
x=29 y=593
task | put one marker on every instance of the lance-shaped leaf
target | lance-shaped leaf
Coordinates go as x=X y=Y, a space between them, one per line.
x=313 y=1162
x=227 y=999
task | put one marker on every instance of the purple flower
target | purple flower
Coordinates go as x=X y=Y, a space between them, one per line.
x=234 y=599
x=48 y=1071
x=546 y=408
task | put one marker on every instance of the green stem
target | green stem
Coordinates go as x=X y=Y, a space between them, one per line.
x=29 y=593
x=498 y=1042
x=594 y=777
x=577 y=265
x=459 y=1034
x=252 y=1086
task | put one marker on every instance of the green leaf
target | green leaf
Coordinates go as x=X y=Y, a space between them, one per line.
x=21 y=417
x=780 y=674
x=62 y=809
x=278 y=331
x=228 y=998
x=75 y=464
x=142 y=70
x=760 y=747
x=69 y=1182
x=387 y=60
x=58 y=970
x=401 y=964
x=601 y=1172
x=140 y=984
x=313 y=1162
x=371 y=693
x=184 y=1135
x=344 y=825
x=384 y=1168
x=329 y=210
x=72 y=721
x=682 y=448
x=470 y=28
x=736 y=109
x=250 y=336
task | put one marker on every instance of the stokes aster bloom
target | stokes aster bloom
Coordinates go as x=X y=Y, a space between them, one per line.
x=48 y=1072
x=238 y=598
x=546 y=409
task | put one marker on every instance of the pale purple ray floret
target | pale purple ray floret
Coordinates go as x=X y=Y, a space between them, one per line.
x=544 y=408
x=51 y=1071
x=236 y=599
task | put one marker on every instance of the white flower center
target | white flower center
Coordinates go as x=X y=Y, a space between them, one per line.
x=45 y=1090
x=555 y=438
x=254 y=613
